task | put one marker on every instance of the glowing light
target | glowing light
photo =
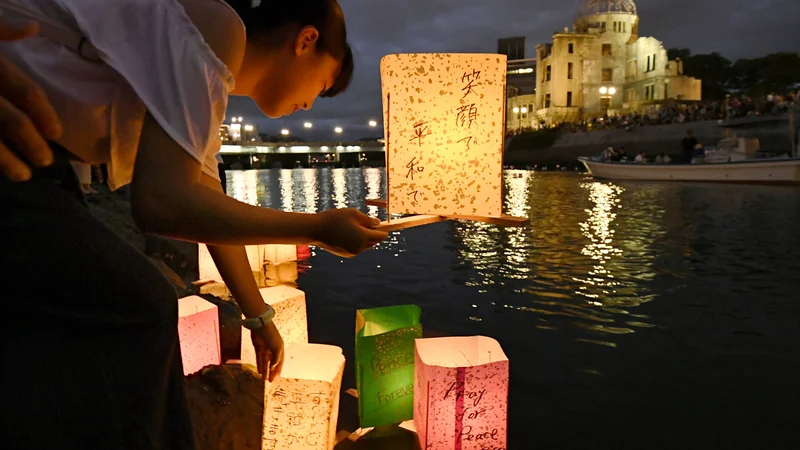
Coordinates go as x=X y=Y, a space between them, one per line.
x=612 y=90
x=516 y=110
x=373 y=123
x=307 y=125
x=603 y=90
x=285 y=132
x=338 y=130
x=524 y=110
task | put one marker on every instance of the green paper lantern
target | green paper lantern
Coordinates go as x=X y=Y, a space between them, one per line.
x=385 y=363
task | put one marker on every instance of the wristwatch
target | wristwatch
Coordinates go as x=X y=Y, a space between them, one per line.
x=254 y=323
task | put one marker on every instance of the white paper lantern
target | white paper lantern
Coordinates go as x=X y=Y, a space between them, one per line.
x=290 y=319
x=257 y=255
x=301 y=408
x=198 y=331
x=461 y=393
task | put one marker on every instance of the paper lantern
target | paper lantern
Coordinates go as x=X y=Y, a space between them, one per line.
x=290 y=319
x=301 y=408
x=257 y=255
x=385 y=363
x=461 y=397
x=198 y=331
x=444 y=117
x=208 y=270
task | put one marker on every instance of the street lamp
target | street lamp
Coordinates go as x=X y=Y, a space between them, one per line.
x=240 y=119
x=285 y=132
x=338 y=130
x=604 y=90
x=307 y=125
x=248 y=127
x=612 y=90
x=373 y=123
x=524 y=110
x=516 y=110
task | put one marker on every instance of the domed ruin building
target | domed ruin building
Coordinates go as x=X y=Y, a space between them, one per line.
x=603 y=67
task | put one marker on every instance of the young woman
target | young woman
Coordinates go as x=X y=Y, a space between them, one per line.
x=90 y=348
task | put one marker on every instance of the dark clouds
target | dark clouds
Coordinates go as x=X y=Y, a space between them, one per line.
x=735 y=28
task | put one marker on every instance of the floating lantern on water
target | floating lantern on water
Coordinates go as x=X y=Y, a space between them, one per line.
x=461 y=396
x=198 y=331
x=290 y=319
x=301 y=407
x=385 y=363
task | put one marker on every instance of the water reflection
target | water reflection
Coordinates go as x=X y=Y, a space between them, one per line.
x=593 y=255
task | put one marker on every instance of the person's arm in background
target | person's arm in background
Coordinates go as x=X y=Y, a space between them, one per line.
x=27 y=119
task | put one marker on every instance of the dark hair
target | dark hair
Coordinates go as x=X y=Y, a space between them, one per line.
x=269 y=16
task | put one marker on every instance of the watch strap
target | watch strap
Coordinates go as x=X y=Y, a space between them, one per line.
x=255 y=323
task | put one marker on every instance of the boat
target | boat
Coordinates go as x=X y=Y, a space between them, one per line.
x=734 y=160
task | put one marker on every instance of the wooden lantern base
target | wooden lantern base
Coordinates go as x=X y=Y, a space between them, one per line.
x=425 y=219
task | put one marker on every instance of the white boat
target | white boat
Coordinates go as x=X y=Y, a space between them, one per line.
x=733 y=161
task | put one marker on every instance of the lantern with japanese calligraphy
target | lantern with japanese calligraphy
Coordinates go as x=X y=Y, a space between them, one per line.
x=385 y=363
x=290 y=319
x=444 y=116
x=461 y=395
x=301 y=407
x=198 y=331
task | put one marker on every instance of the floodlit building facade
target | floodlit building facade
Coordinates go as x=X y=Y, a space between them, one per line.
x=602 y=67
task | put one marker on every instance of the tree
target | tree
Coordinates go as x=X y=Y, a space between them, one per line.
x=679 y=53
x=776 y=72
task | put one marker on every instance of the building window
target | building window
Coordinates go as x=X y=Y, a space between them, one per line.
x=547 y=100
x=569 y=98
x=608 y=75
x=571 y=47
x=651 y=63
x=624 y=27
x=569 y=71
x=615 y=26
x=606 y=49
x=633 y=68
x=603 y=27
x=547 y=73
x=650 y=92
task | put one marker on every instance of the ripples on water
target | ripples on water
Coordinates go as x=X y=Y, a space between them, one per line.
x=622 y=283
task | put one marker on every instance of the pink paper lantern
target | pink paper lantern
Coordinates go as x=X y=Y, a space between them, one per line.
x=461 y=393
x=198 y=331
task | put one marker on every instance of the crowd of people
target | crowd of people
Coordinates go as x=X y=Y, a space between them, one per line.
x=733 y=107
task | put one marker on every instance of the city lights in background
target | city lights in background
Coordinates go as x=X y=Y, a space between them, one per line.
x=338 y=130
x=285 y=132
x=307 y=125
x=373 y=123
x=248 y=127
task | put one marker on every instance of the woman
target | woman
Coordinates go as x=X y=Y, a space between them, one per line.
x=91 y=356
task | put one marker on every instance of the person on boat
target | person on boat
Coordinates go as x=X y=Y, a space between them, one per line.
x=90 y=345
x=663 y=158
x=641 y=158
x=688 y=144
x=699 y=151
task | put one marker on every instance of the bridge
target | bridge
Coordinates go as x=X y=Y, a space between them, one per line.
x=264 y=155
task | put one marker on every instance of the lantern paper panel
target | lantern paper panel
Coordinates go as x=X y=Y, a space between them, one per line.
x=461 y=396
x=198 y=332
x=301 y=407
x=257 y=255
x=444 y=116
x=290 y=319
x=385 y=363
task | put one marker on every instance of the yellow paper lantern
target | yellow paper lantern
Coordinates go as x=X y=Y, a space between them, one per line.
x=301 y=408
x=198 y=331
x=461 y=393
x=290 y=319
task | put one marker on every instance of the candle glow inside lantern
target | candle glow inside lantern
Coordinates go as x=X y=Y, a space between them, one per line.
x=461 y=395
x=198 y=332
x=301 y=407
x=385 y=363
x=444 y=116
x=291 y=319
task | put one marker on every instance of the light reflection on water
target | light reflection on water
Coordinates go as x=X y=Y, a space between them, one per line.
x=664 y=295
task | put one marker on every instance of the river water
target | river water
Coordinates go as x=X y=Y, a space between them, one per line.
x=634 y=315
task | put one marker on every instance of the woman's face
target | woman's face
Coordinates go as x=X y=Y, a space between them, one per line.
x=296 y=76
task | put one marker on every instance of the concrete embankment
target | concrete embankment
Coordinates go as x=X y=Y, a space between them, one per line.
x=773 y=134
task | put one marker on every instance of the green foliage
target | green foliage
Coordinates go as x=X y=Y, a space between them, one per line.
x=776 y=72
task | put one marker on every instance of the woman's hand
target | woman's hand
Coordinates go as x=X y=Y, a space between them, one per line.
x=347 y=232
x=268 y=343
x=26 y=117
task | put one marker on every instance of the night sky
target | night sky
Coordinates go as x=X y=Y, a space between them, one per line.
x=735 y=28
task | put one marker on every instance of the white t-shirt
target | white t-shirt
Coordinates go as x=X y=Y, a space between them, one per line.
x=154 y=60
